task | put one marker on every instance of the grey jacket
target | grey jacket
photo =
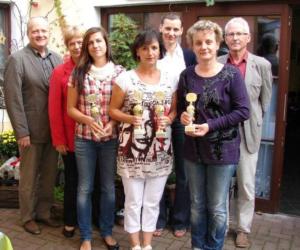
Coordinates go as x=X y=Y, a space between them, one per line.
x=258 y=80
x=26 y=94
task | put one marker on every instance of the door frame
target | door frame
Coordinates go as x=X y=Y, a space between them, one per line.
x=190 y=13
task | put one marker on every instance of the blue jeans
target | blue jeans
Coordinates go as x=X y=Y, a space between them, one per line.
x=209 y=186
x=180 y=210
x=87 y=153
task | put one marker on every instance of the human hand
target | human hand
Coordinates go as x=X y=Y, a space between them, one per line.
x=137 y=121
x=200 y=130
x=62 y=149
x=108 y=129
x=163 y=122
x=24 y=142
x=97 y=129
x=186 y=118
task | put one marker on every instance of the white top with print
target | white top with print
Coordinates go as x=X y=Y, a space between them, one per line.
x=147 y=156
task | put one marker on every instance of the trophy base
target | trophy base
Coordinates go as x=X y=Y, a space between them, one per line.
x=161 y=134
x=139 y=133
x=189 y=128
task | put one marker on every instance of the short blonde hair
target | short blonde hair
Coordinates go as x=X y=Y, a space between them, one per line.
x=204 y=25
x=70 y=32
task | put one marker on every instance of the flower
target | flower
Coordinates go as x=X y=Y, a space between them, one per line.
x=8 y=144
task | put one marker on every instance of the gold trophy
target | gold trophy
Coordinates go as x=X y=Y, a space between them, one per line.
x=159 y=111
x=95 y=110
x=191 y=98
x=138 y=131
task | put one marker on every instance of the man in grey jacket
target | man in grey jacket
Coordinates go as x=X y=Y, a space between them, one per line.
x=26 y=87
x=258 y=79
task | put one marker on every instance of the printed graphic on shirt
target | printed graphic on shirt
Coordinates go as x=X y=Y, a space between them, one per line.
x=145 y=154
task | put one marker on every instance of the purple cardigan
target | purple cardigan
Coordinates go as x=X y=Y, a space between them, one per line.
x=223 y=103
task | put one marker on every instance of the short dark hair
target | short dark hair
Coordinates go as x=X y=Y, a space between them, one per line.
x=145 y=37
x=170 y=16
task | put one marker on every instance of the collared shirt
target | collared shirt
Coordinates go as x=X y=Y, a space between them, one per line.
x=46 y=62
x=173 y=63
x=98 y=82
x=241 y=65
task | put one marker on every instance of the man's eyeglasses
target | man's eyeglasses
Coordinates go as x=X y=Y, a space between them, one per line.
x=237 y=34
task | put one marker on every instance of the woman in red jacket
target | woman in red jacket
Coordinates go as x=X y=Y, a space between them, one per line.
x=63 y=127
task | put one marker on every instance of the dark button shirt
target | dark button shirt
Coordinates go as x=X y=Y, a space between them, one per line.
x=46 y=63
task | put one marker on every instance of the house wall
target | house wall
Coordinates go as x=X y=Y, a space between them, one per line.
x=76 y=13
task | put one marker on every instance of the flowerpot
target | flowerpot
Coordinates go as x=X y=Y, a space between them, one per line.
x=9 y=196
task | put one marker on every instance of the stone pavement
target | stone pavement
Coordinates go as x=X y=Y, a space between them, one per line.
x=270 y=232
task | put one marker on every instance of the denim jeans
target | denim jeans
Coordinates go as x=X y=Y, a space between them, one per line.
x=209 y=187
x=180 y=210
x=87 y=153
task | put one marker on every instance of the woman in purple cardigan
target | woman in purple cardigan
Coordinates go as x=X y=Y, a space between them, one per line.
x=212 y=148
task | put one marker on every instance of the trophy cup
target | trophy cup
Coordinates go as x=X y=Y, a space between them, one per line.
x=95 y=110
x=159 y=111
x=138 y=131
x=191 y=98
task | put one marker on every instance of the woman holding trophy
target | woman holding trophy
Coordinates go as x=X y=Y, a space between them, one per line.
x=212 y=101
x=144 y=102
x=89 y=94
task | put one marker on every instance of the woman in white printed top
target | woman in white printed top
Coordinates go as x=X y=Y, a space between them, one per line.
x=144 y=101
x=89 y=95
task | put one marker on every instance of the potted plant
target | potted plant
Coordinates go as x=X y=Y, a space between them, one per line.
x=8 y=145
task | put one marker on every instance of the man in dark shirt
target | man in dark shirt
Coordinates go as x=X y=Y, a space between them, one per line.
x=175 y=61
x=26 y=96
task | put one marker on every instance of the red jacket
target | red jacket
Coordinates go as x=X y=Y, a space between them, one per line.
x=62 y=126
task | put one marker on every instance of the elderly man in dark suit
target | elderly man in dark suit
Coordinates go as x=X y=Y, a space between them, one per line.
x=26 y=96
x=258 y=78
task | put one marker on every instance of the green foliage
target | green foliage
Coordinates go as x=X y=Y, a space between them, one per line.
x=171 y=178
x=124 y=30
x=8 y=144
x=210 y=3
x=59 y=193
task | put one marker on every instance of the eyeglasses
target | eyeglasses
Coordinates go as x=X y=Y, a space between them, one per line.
x=237 y=34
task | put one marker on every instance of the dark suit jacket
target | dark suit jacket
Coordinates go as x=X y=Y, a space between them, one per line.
x=189 y=57
x=258 y=80
x=26 y=94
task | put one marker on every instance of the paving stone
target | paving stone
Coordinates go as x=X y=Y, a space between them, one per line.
x=269 y=232
x=255 y=247
x=284 y=244
x=270 y=246
x=294 y=247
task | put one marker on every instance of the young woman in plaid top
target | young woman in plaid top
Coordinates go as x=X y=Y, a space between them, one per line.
x=89 y=95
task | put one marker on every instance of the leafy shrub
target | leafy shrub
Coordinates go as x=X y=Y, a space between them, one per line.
x=124 y=31
x=8 y=145
x=59 y=193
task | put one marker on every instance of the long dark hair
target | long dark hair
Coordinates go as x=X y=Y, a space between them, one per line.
x=85 y=60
